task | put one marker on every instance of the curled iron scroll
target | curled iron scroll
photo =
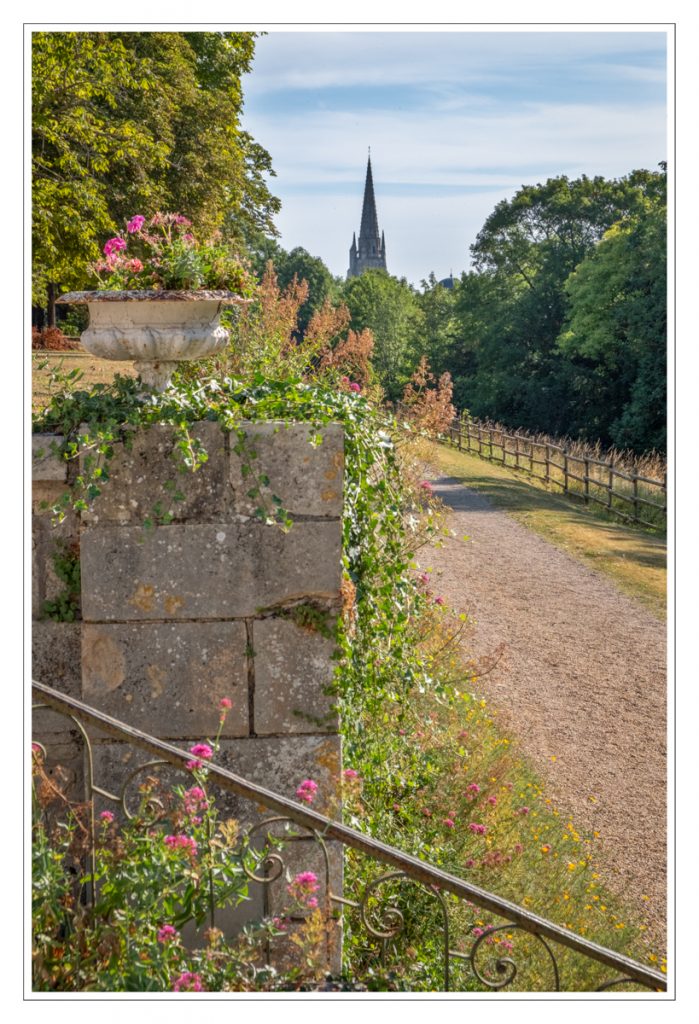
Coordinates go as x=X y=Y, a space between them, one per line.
x=505 y=965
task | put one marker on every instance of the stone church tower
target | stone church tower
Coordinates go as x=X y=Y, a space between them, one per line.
x=370 y=253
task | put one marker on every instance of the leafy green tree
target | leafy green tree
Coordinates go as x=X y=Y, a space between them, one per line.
x=616 y=332
x=388 y=307
x=513 y=307
x=437 y=305
x=80 y=137
x=128 y=122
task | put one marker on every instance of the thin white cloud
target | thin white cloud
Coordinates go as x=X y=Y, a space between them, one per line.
x=323 y=60
x=427 y=158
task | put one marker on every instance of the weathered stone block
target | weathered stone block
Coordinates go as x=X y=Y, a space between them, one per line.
x=297 y=856
x=146 y=475
x=308 y=478
x=47 y=466
x=278 y=764
x=301 y=856
x=168 y=677
x=56 y=662
x=225 y=571
x=48 y=542
x=293 y=670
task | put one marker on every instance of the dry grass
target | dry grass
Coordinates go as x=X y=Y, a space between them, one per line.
x=633 y=558
x=94 y=370
x=536 y=449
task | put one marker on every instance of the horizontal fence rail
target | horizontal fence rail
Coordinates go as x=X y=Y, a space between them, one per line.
x=404 y=867
x=559 y=466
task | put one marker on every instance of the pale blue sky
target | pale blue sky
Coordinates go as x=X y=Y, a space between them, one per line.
x=456 y=121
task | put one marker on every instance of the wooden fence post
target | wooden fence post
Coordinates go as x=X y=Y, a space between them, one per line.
x=480 y=440
x=611 y=483
x=490 y=443
x=516 y=451
x=502 y=442
x=586 y=483
x=565 y=470
x=548 y=463
x=635 y=495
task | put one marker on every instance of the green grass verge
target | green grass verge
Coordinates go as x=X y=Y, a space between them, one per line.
x=634 y=559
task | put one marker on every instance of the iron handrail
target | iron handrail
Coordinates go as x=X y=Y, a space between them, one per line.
x=374 y=848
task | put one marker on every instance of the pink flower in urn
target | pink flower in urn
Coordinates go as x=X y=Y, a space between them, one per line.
x=113 y=245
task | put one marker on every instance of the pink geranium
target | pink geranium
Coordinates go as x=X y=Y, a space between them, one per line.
x=135 y=224
x=114 y=245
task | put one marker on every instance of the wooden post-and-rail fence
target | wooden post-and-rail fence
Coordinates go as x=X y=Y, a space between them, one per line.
x=585 y=477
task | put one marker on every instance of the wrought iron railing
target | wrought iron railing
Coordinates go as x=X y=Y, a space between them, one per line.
x=382 y=923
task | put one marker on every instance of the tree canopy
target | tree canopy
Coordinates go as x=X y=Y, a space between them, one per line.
x=560 y=325
x=129 y=122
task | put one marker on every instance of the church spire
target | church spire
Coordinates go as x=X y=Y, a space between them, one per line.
x=370 y=252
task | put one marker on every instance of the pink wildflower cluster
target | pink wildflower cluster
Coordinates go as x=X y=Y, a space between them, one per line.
x=472 y=789
x=479 y=830
x=107 y=817
x=306 y=791
x=188 y=982
x=167 y=933
x=523 y=810
x=302 y=889
x=425 y=485
x=195 y=803
x=350 y=385
x=200 y=750
x=351 y=773
x=182 y=842
x=135 y=224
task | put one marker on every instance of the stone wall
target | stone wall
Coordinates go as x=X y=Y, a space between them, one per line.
x=215 y=604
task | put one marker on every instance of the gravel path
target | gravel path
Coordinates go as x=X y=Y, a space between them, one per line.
x=582 y=679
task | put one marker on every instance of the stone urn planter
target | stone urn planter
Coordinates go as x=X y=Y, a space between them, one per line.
x=154 y=329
